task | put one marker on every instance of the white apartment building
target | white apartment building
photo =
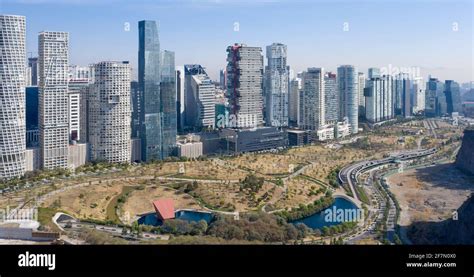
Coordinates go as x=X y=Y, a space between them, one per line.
x=12 y=96
x=109 y=113
x=276 y=85
x=205 y=94
x=312 y=110
x=379 y=99
x=419 y=94
x=53 y=99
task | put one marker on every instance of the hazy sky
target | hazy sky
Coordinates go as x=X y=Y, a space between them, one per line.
x=403 y=33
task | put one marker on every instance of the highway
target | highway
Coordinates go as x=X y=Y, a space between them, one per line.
x=385 y=209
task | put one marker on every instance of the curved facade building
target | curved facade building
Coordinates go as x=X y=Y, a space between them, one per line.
x=12 y=96
x=348 y=83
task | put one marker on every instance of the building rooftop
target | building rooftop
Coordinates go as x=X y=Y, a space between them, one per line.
x=164 y=208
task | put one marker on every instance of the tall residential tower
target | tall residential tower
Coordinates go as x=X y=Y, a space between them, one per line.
x=53 y=99
x=276 y=86
x=245 y=85
x=348 y=84
x=12 y=96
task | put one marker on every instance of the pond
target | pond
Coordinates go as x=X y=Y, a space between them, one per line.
x=152 y=219
x=326 y=218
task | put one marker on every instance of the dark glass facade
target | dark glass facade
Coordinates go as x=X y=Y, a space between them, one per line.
x=169 y=122
x=32 y=108
x=149 y=78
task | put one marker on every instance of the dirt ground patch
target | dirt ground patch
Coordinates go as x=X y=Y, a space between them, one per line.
x=89 y=201
x=430 y=194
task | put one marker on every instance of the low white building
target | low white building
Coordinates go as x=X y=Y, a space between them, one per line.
x=326 y=132
x=189 y=149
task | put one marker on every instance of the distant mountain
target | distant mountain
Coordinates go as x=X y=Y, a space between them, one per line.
x=460 y=231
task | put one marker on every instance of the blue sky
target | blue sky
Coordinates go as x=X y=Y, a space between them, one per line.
x=400 y=33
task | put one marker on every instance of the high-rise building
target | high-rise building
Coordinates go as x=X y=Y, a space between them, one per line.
x=245 y=85
x=200 y=95
x=435 y=102
x=313 y=104
x=453 y=96
x=276 y=86
x=374 y=72
x=32 y=102
x=80 y=72
x=149 y=78
x=33 y=66
x=379 y=99
x=180 y=99
x=293 y=106
x=401 y=96
x=109 y=113
x=418 y=95
x=348 y=86
x=76 y=88
x=331 y=98
x=53 y=94
x=222 y=78
x=361 y=80
x=135 y=103
x=12 y=96
x=168 y=116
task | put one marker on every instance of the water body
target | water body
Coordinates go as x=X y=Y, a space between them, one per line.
x=152 y=219
x=318 y=220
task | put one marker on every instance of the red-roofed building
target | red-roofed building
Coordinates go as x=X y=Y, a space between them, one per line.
x=164 y=208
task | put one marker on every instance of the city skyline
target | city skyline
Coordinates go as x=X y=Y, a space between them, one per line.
x=325 y=34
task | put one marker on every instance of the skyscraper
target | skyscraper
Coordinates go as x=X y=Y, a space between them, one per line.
x=12 y=96
x=379 y=99
x=401 y=96
x=76 y=88
x=293 y=107
x=276 y=86
x=33 y=65
x=135 y=103
x=374 y=72
x=200 y=95
x=313 y=104
x=245 y=85
x=168 y=116
x=435 y=102
x=331 y=101
x=149 y=78
x=109 y=113
x=453 y=96
x=361 y=81
x=418 y=87
x=348 y=84
x=180 y=100
x=53 y=99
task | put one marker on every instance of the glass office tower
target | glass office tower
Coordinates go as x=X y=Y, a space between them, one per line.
x=149 y=78
x=169 y=124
